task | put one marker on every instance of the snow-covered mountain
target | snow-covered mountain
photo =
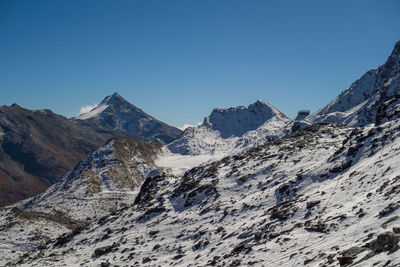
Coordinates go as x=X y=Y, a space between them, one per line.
x=262 y=193
x=327 y=195
x=109 y=179
x=232 y=130
x=117 y=115
x=357 y=105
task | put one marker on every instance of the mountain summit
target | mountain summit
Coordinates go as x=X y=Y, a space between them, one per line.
x=232 y=129
x=239 y=120
x=358 y=104
x=116 y=114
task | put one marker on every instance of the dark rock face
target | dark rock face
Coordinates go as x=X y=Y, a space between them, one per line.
x=121 y=118
x=37 y=148
x=385 y=242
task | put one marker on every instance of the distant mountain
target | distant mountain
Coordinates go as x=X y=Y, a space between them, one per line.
x=232 y=129
x=117 y=116
x=37 y=148
x=358 y=104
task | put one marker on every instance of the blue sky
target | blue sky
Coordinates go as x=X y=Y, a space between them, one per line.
x=177 y=60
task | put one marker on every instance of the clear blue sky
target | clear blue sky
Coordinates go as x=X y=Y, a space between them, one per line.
x=177 y=60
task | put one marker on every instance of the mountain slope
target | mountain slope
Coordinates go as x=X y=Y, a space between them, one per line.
x=240 y=120
x=37 y=148
x=326 y=192
x=113 y=173
x=110 y=178
x=115 y=114
x=357 y=105
x=233 y=129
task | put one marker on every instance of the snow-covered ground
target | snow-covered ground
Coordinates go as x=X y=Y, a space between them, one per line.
x=177 y=164
x=304 y=199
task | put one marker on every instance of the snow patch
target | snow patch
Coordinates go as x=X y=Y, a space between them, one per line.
x=177 y=164
x=91 y=111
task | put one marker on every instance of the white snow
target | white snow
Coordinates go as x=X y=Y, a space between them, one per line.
x=242 y=208
x=358 y=104
x=93 y=112
x=177 y=164
x=229 y=131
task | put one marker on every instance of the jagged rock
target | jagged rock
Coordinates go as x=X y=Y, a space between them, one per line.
x=104 y=250
x=387 y=241
x=389 y=209
x=312 y=204
x=345 y=260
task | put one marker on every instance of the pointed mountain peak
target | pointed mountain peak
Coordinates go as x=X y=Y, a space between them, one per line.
x=260 y=102
x=392 y=64
x=111 y=100
x=114 y=98
x=396 y=49
x=115 y=113
x=264 y=105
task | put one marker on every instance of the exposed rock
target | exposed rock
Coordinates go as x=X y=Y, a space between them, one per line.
x=387 y=241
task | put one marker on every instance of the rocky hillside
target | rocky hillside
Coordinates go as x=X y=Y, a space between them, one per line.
x=232 y=130
x=116 y=115
x=37 y=148
x=108 y=180
x=112 y=174
x=357 y=105
x=326 y=195
x=248 y=187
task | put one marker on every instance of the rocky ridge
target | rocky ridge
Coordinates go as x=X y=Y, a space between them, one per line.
x=325 y=195
x=231 y=130
x=115 y=114
x=357 y=104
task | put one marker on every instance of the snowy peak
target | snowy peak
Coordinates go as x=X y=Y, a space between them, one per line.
x=358 y=104
x=114 y=99
x=396 y=51
x=117 y=115
x=239 y=120
x=232 y=130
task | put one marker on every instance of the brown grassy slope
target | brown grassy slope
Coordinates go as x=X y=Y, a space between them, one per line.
x=37 y=148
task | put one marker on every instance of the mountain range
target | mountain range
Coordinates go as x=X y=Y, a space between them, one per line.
x=247 y=187
x=37 y=147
